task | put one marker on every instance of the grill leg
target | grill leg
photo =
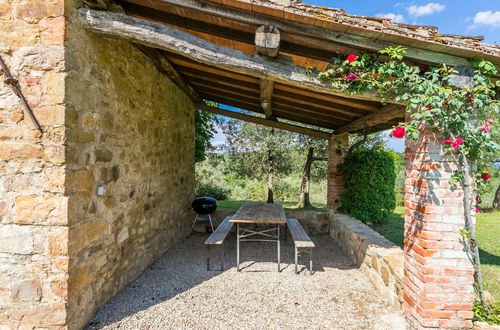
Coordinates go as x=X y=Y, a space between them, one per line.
x=296 y=260
x=208 y=258
x=211 y=224
x=192 y=226
x=238 y=247
x=279 y=252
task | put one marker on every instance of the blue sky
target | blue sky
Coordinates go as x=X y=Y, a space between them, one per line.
x=451 y=17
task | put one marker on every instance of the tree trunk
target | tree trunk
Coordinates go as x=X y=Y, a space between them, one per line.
x=270 y=172
x=306 y=180
x=496 y=201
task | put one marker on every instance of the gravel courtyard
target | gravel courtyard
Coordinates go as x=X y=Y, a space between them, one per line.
x=177 y=292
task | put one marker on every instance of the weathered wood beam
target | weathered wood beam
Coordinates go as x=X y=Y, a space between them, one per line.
x=237 y=34
x=316 y=32
x=266 y=95
x=381 y=116
x=97 y=4
x=164 y=65
x=265 y=122
x=267 y=41
x=157 y=35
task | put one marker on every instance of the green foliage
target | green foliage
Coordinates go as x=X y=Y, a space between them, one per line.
x=480 y=314
x=369 y=178
x=205 y=124
x=211 y=190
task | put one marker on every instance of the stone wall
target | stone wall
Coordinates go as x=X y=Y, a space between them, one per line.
x=109 y=118
x=380 y=259
x=33 y=203
x=131 y=129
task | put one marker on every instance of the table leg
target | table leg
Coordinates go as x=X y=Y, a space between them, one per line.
x=279 y=254
x=238 y=247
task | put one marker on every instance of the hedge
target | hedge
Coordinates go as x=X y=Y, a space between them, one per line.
x=369 y=179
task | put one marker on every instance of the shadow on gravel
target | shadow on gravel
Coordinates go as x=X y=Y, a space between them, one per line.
x=183 y=267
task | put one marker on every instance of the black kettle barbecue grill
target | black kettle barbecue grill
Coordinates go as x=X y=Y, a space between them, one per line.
x=203 y=206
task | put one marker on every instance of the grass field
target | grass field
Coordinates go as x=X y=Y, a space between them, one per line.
x=488 y=234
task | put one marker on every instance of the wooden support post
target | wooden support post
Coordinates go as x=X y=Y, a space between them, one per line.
x=266 y=94
x=267 y=41
x=381 y=116
x=265 y=122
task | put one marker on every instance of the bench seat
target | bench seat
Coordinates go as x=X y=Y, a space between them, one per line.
x=301 y=240
x=217 y=238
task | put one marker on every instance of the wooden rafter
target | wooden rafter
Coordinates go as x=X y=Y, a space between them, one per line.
x=266 y=95
x=381 y=116
x=164 y=65
x=265 y=122
x=174 y=40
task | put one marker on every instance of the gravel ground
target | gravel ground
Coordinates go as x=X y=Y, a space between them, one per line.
x=177 y=292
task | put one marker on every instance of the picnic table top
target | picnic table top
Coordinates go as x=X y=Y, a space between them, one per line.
x=253 y=212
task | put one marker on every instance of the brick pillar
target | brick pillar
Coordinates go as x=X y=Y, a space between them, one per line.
x=438 y=276
x=337 y=148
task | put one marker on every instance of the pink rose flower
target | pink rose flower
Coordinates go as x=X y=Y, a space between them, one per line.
x=485 y=176
x=351 y=76
x=478 y=210
x=484 y=127
x=351 y=58
x=470 y=99
x=448 y=141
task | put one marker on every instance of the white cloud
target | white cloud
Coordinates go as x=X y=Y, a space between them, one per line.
x=395 y=17
x=428 y=9
x=487 y=17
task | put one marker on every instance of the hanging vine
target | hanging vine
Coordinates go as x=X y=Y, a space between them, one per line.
x=459 y=108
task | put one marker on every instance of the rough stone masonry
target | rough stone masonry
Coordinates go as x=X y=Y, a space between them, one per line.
x=109 y=118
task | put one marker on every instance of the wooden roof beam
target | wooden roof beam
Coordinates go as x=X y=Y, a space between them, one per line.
x=265 y=122
x=381 y=116
x=157 y=35
x=328 y=35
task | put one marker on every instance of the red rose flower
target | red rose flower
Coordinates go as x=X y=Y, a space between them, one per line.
x=478 y=210
x=448 y=141
x=459 y=140
x=428 y=107
x=470 y=99
x=399 y=132
x=351 y=58
x=485 y=176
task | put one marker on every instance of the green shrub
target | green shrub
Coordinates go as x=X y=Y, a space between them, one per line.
x=211 y=190
x=369 y=179
x=493 y=317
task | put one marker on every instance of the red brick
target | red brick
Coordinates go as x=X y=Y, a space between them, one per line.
x=451 y=271
x=436 y=314
x=465 y=324
x=458 y=307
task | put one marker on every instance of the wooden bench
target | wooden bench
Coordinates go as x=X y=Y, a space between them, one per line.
x=217 y=238
x=301 y=241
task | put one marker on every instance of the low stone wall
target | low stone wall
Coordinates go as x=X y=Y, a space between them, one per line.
x=314 y=222
x=381 y=260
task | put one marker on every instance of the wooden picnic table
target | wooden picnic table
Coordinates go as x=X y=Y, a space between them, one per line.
x=252 y=212
x=258 y=213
